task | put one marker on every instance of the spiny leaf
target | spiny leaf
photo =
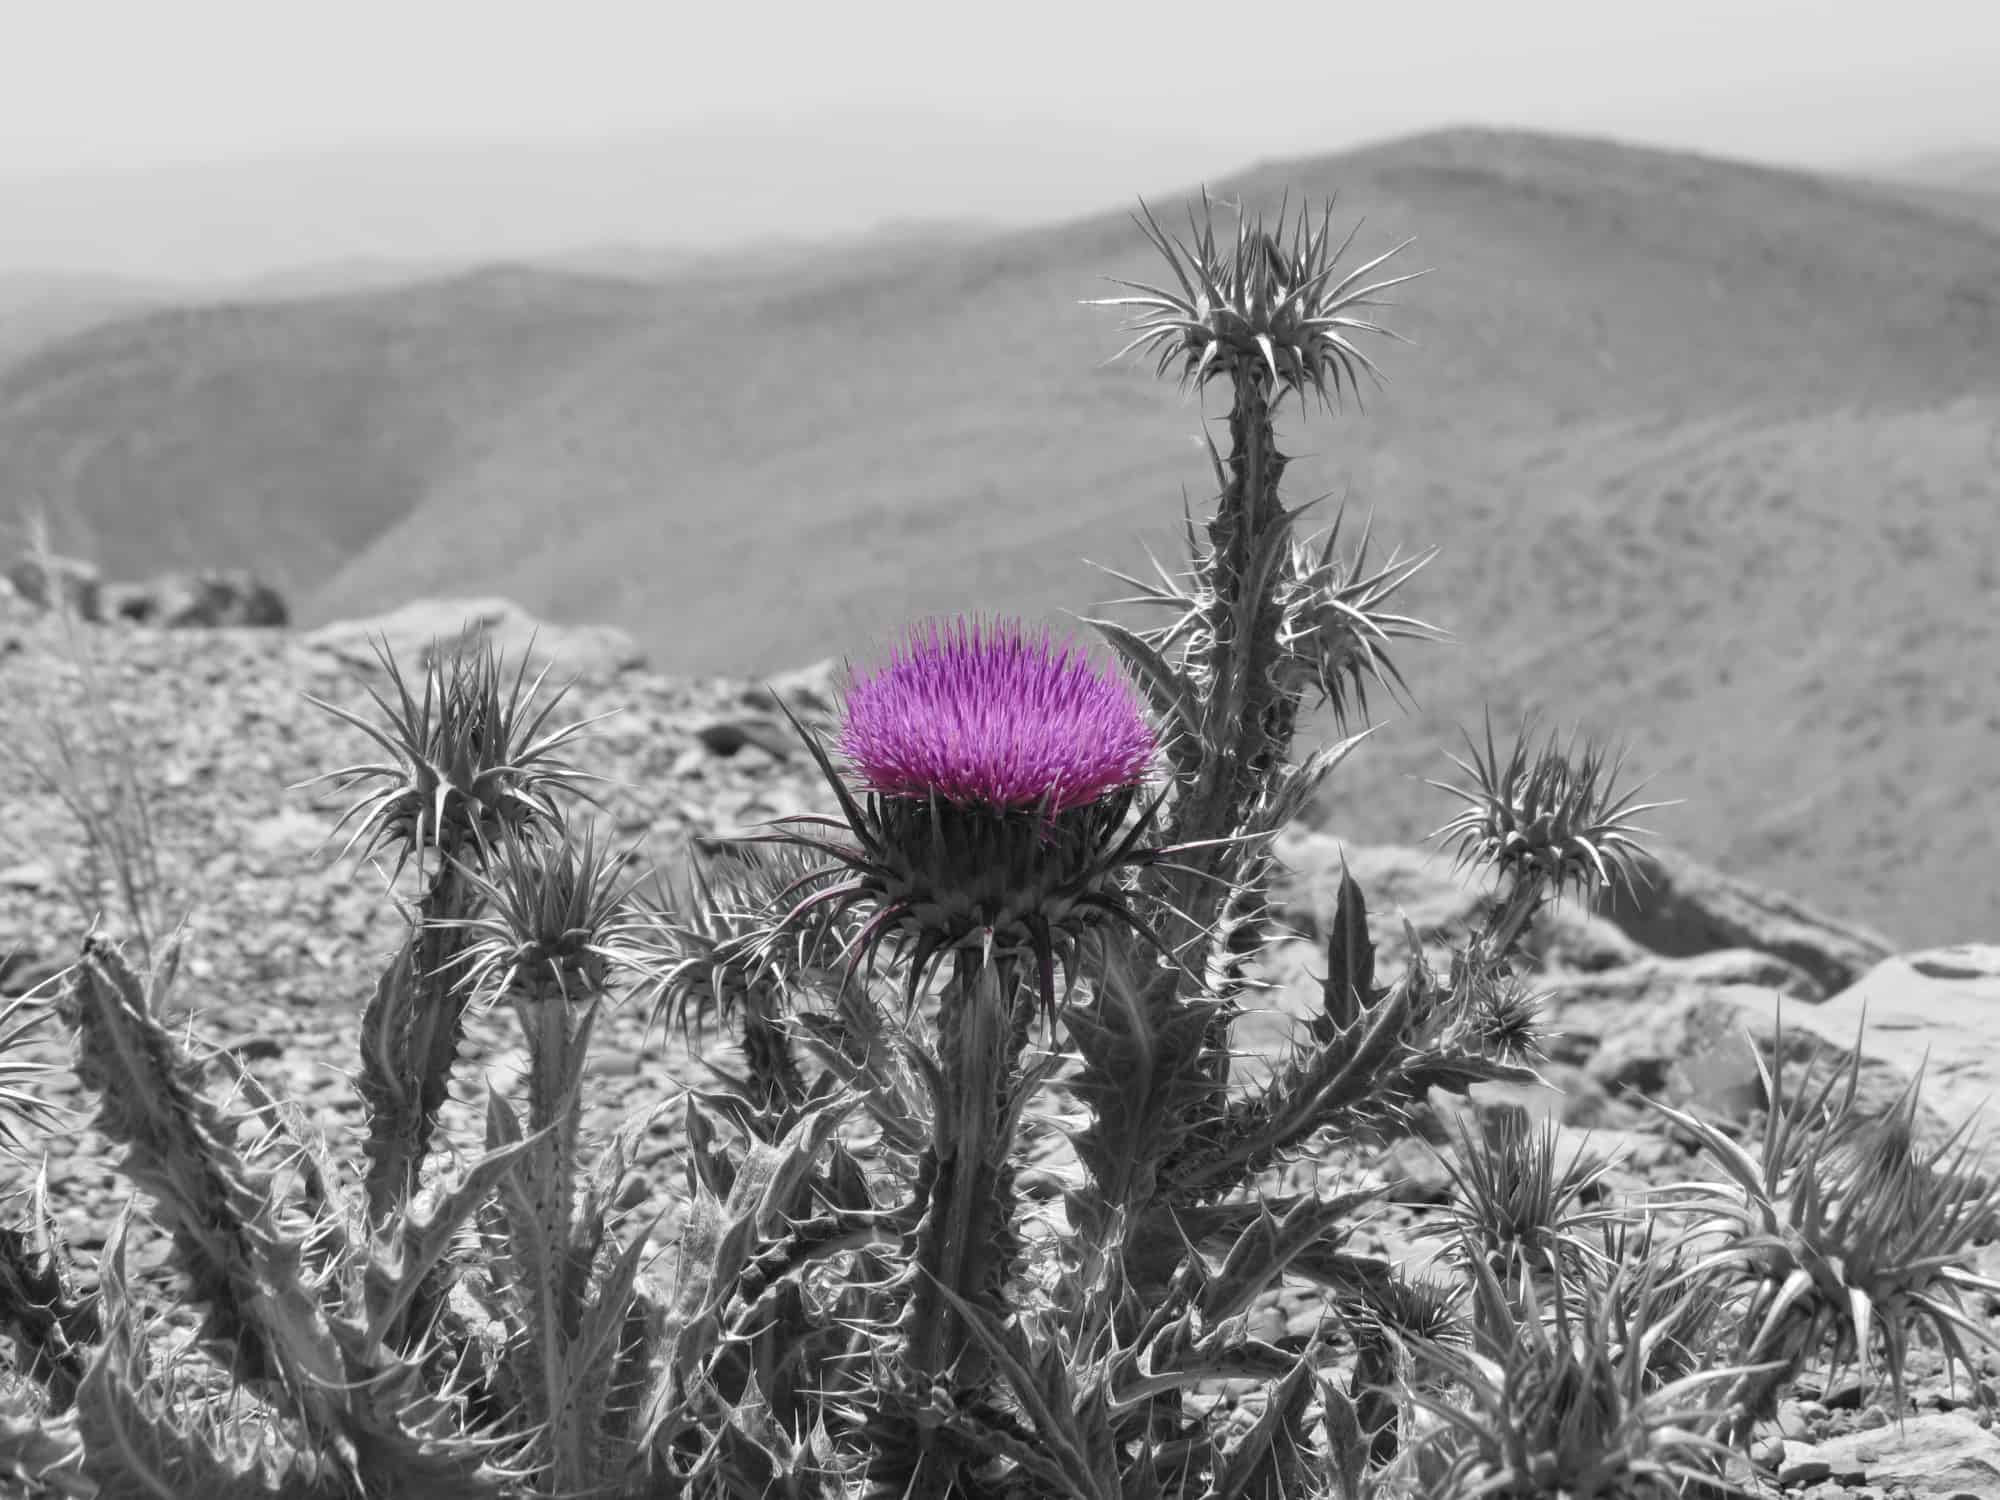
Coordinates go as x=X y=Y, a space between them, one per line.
x=422 y=1242
x=1350 y=963
x=1269 y=1462
x=1174 y=698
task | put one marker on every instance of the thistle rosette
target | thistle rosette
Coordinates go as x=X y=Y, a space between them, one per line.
x=999 y=772
x=1571 y=1398
x=1844 y=1233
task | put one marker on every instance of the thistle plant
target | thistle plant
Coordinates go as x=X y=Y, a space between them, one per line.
x=1841 y=1238
x=993 y=832
x=1516 y=1206
x=469 y=761
x=1567 y=1397
x=1024 y=934
x=417 y=1331
x=1001 y=773
x=1259 y=617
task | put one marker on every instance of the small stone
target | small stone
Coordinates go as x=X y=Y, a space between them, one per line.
x=1804 y=1471
x=1792 y=1421
x=1415 y=1172
x=728 y=736
x=30 y=875
x=631 y=1192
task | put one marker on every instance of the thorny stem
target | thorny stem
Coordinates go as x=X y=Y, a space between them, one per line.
x=555 y=1113
x=1250 y=713
x=416 y=1049
x=551 y=1043
x=964 y=1242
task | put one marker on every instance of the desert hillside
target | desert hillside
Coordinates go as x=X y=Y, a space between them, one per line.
x=1976 y=171
x=1712 y=453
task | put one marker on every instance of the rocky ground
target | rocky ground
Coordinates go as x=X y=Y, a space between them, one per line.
x=285 y=940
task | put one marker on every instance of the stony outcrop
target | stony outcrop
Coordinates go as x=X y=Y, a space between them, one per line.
x=1933 y=1015
x=44 y=582
x=1931 y=1456
x=1684 y=1025
x=1684 y=907
x=417 y=632
x=206 y=600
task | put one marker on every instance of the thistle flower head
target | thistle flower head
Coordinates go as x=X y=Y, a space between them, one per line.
x=1269 y=305
x=993 y=717
x=999 y=771
x=1337 y=630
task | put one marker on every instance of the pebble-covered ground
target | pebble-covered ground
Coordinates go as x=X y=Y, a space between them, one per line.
x=284 y=939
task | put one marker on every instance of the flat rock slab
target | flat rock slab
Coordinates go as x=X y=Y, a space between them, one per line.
x=1937 y=1010
x=1934 y=1013
x=1939 y=1456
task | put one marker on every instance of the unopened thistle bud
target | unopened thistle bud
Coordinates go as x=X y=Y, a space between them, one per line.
x=1555 y=817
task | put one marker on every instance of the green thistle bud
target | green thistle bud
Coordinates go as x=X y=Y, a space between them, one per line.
x=1258 y=308
x=558 y=922
x=1557 y=818
x=469 y=761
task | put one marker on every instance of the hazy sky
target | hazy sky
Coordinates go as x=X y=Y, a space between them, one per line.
x=223 y=139
x=93 y=83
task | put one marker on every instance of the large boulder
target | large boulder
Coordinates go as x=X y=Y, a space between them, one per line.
x=48 y=581
x=421 y=632
x=1682 y=907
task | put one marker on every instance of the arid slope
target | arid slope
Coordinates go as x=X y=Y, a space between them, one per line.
x=1712 y=452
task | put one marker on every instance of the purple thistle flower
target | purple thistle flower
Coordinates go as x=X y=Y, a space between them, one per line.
x=989 y=716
